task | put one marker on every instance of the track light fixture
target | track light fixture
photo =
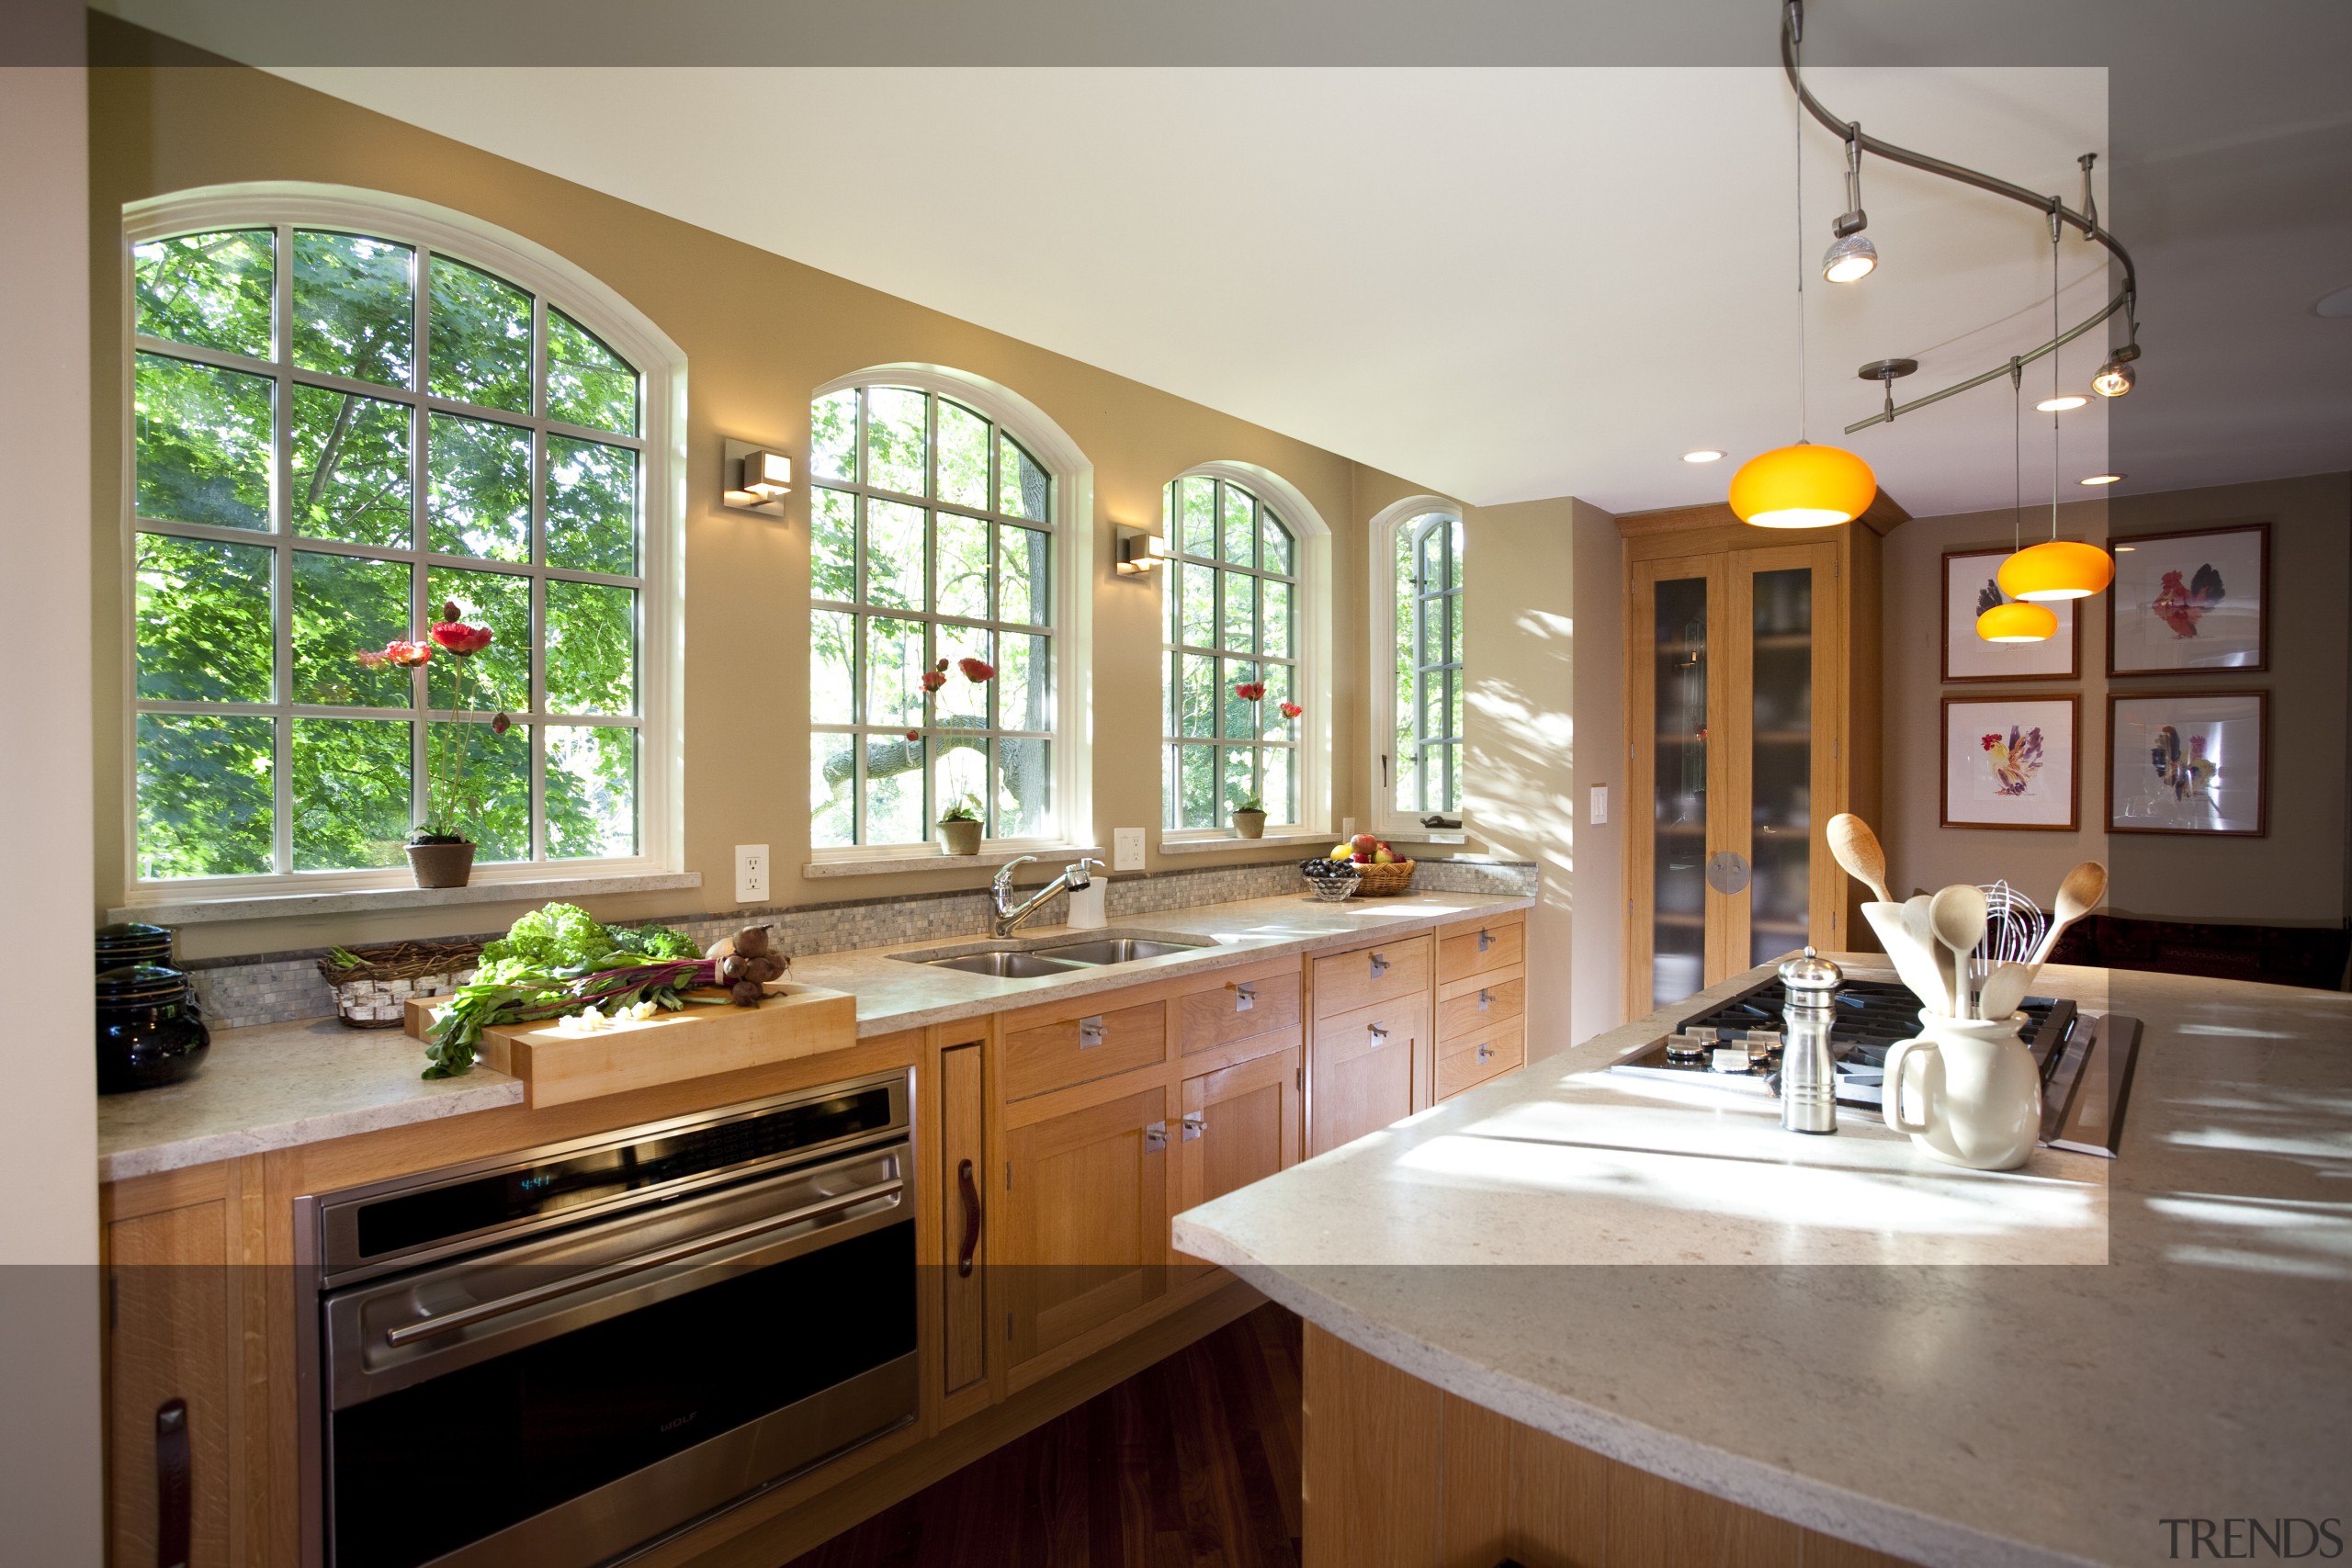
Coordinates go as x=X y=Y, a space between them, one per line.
x=1850 y=257
x=2115 y=376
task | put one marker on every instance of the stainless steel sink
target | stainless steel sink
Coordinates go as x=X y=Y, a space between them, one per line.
x=1118 y=950
x=1005 y=966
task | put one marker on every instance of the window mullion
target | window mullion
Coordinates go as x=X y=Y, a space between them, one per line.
x=281 y=511
x=419 y=540
x=537 y=552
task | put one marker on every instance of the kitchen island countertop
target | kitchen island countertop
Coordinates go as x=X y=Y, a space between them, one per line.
x=1957 y=1368
x=277 y=1086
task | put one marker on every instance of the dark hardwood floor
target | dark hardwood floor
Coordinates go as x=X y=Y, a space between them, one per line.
x=1190 y=1462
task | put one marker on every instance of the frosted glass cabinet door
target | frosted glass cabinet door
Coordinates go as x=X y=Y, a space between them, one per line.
x=1678 y=741
x=1780 y=761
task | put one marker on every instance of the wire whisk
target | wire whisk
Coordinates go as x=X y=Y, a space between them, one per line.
x=2014 y=925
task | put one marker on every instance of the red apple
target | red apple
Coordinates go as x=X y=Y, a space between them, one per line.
x=1363 y=843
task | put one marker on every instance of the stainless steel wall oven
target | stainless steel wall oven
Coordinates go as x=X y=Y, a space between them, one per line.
x=560 y=1357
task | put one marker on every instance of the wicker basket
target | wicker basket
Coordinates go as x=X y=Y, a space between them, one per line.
x=1385 y=881
x=374 y=993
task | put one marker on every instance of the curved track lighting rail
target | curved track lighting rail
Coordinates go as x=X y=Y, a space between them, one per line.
x=1791 y=35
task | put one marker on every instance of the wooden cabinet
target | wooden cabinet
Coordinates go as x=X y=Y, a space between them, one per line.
x=1751 y=718
x=1240 y=1124
x=1481 y=1027
x=963 y=1233
x=1369 y=1069
x=1386 y=971
x=1073 y=1042
x=1084 y=1212
x=1252 y=1004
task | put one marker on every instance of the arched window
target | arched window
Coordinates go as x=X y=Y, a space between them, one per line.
x=1418 y=687
x=1242 y=711
x=939 y=618
x=348 y=411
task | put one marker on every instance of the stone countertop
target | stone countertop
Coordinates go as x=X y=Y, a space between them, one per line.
x=277 y=1085
x=1552 y=1245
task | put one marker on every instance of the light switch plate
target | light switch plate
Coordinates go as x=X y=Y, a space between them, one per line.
x=1126 y=848
x=1600 y=813
x=1347 y=826
x=751 y=874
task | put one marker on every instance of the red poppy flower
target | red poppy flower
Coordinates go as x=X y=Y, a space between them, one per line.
x=933 y=679
x=1250 y=691
x=976 y=670
x=941 y=667
x=459 y=638
x=1291 y=710
x=914 y=734
x=500 y=724
x=450 y=611
x=398 y=655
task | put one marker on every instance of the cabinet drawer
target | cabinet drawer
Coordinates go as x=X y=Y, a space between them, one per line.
x=1478 y=948
x=1371 y=976
x=1237 y=1009
x=1472 y=1060
x=1362 y=1071
x=1083 y=1047
x=1484 y=1003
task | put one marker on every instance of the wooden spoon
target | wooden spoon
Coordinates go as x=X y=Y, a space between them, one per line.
x=1958 y=915
x=1856 y=848
x=2083 y=891
x=1916 y=926
x=2004 y=988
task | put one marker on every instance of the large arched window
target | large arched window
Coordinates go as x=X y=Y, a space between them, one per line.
x=938 y=613
x=1418 y=687
x=348 y=410
x=1242 y=697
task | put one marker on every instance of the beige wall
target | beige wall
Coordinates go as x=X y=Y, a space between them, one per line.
x=759 y=332
x=1599 y=749
x=2294 y=874
x=1519 y=584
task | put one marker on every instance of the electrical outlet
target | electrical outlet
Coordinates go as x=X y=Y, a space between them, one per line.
x=1600 y=813
x=1126 y=848
x=751 y=874
x=1347 y=826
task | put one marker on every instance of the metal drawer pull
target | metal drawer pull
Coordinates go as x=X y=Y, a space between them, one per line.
x=1195 y=1123
x=1486 y=1052
x=1379 y=1033
x=1089 y=1033
x=1244 y=998
x=1155 y=1137
x=449 y=1323
x=1484 y=996
x=1486 y=938
x=1379 y=965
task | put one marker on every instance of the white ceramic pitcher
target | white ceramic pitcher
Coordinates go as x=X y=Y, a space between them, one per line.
x=1966 y=1090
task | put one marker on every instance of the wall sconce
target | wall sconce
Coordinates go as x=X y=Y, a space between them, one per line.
x=758 y=479
x=1139 y=552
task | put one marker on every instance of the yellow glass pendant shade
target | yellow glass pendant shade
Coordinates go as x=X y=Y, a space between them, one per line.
x=2018 y=622
x=1803 y=486
x=2056 y=569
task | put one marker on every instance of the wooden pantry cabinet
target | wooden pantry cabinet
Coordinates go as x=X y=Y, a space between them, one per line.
x=1751 y=718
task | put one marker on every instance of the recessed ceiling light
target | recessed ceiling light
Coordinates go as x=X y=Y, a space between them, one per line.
x=2125 y=549
x=2101 y=479
x=2060 y=405
x=1703 y=455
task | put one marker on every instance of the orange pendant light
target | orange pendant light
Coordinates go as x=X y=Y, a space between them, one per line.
x=1803 y=486
x=2055 y=569
x=2018 y=622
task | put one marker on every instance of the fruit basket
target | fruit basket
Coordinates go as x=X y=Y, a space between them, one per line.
x=1385 y=881
x=1360 y=862
x=372 y=985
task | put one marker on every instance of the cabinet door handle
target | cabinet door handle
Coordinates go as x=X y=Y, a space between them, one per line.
x=1379 y=965
x=1379 y=1033
x=1486 y=938
x=1155 y=1137
x=174 y=1494
x=1486 y=1052
x=1244 y=998
x=1089 y=1033
x=1195 y=1123
x=971 y=1194
x=1484 y=996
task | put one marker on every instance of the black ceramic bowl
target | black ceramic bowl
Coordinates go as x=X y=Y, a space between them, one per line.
x=148 y=1033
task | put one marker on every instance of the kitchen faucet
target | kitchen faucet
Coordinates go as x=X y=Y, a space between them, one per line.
x=1009 y=915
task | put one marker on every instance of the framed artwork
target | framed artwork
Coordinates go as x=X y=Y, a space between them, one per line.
x=2009 y=762
x=2189 y=762
x=2185 y=602
x=1970 y=591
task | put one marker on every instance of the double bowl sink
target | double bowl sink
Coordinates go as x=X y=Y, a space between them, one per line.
x=1021 y=961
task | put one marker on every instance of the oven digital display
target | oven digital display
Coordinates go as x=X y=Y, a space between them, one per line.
x=408 y=1220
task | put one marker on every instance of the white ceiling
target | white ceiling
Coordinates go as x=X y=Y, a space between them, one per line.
x=1505 y=283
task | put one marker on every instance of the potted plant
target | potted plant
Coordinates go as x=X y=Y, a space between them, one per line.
x=440 y=854
x=959 y=826
x=1249 y=816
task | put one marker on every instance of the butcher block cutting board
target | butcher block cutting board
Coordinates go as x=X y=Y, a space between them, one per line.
x=800 y=1021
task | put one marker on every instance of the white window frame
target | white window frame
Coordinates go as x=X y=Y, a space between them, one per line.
x=550 y=279
x=1381 y=764
x=1311 y=603
x=1072 y=568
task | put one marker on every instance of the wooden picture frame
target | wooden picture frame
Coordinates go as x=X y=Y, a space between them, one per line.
x=1969 y=658
x=2136 y=795
x=2054 y=724
x=2157 y=625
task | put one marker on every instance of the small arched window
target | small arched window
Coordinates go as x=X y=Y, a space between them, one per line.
x=1417 y=666
x=349 y=411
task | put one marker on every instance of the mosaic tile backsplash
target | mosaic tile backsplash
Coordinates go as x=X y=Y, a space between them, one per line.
x=282 y=986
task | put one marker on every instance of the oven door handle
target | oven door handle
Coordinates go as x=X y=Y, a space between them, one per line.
x=449 y=1323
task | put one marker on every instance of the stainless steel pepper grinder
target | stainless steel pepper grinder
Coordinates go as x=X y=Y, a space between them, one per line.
x=1808 y=1066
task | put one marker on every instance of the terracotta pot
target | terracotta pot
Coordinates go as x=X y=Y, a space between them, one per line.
x=1249 y=824
x=959 y=837
x=441 y=866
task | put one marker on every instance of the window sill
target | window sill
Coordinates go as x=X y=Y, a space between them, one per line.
x=1276 y=838
x=988 y=859
x=369 y=900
